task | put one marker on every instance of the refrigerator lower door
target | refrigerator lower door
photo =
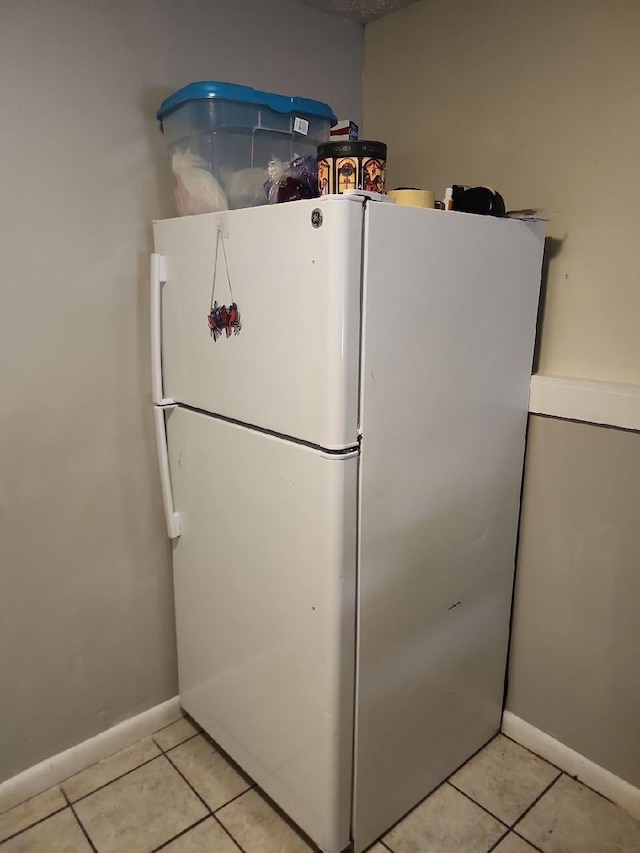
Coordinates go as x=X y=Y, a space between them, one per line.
x=290 y=365
x=264 y=574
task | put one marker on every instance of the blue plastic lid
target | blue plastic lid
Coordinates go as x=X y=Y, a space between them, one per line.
x=247 y=95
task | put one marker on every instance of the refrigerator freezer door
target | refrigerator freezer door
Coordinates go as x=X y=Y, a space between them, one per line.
x=294 y=272
x=264 y=575
x=450 y=315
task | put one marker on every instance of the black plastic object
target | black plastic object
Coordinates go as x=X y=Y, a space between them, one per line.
x=481 y=200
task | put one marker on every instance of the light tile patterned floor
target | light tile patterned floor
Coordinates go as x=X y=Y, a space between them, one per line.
x=176 y=793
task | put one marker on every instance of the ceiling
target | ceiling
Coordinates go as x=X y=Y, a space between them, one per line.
x=363 y=11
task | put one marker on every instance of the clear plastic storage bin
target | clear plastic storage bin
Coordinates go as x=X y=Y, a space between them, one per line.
x=221 y=137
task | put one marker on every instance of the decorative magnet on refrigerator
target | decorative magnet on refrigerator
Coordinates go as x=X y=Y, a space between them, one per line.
x=222 y=318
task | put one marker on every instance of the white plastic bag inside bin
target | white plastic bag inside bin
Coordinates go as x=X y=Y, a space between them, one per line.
x=246 y=187
x=195 y=188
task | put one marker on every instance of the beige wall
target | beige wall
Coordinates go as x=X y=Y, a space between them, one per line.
x=538 y=98
x=574 y=670
x=86 y=619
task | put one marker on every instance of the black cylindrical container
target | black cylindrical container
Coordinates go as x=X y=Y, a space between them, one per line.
x=351 y=166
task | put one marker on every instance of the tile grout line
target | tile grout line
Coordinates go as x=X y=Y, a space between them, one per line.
x=480 y=806
x=223 y=755
x=511 y=826
x=162 y=753
x=175 y=722
x=534 y=804
x=531 y=752
x=506 y=835
x=175 y=745
x=254 y=786
x=282 y=814
x=212 y=812
x=35 y=822
x=406 y=814
x=70 y=804
x=499 y=841
x=559 y=769
x=468 y=760
x=440 y=785
x=205 y=804
x=233 y=799
x=80 y=824
x=5 y=812
x=526 y=840
x=224 y=829
x=186 y=781
x=181 y=833
x=106 y=784
x=100 y=787
x=579 y=781
x=122 y=775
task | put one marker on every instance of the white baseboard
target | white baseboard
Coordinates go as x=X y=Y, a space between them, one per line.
x=590 y=400
x=59 y=767
x=574 y=764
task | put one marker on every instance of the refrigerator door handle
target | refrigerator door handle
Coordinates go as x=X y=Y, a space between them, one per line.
x=173 y=518
x=158 y=276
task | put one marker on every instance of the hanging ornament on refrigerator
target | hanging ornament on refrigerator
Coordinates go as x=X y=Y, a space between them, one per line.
x=222 y=318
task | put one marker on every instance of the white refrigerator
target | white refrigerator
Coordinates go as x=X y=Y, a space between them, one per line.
x=341 y=462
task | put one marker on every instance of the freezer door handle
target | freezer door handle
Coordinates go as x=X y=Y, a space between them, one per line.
x=173 y=518
x=158 y=276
